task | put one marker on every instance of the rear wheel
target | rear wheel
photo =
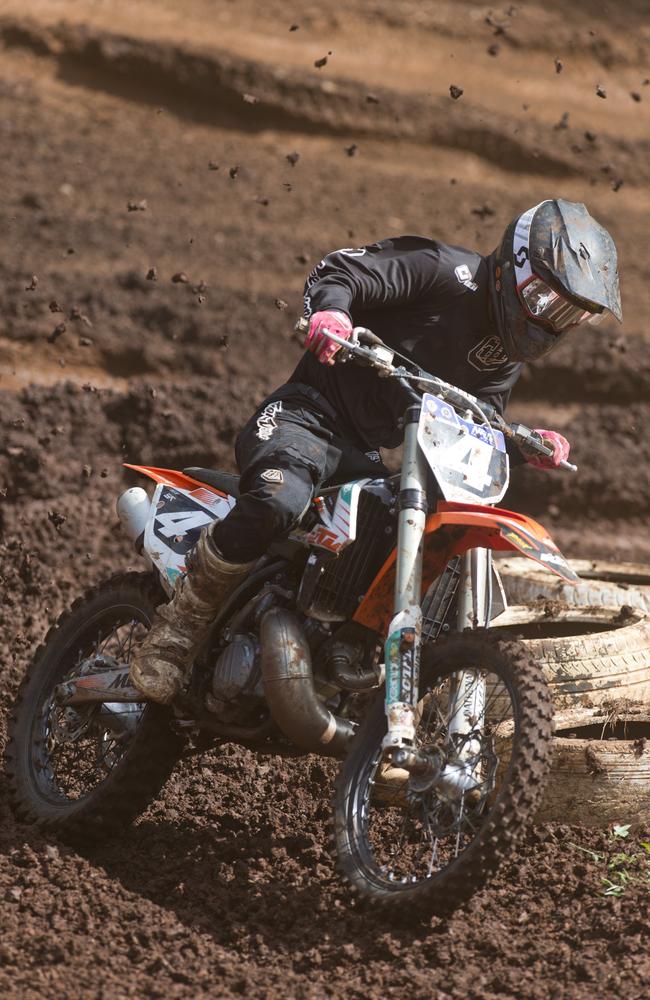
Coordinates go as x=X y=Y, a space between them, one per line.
x=85 y=771
x=404 y=842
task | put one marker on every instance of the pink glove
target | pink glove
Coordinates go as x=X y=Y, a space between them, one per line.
x=560 y=447
x=336 y=322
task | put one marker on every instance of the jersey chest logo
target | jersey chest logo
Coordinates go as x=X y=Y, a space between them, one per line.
x=464 y=275
x=487 y=354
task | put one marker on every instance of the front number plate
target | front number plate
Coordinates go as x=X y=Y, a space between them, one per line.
x=469 y=460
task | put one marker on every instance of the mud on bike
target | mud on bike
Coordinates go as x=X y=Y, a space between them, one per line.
x=364 y=635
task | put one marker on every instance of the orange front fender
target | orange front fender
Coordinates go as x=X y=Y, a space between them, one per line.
x=451 y=531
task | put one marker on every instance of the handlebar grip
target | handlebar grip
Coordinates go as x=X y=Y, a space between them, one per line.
x=529 y=441
x=543 y=449
x=569 y=466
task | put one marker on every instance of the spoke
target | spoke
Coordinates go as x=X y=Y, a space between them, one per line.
x=111 y=746
x=471 y=823
x=108 y=638
x=400 y=836
x=122 y=642
x=460 y=819
x=131 y=634
x=434 y=845
x=75 y=755
x=413 y=835
x=495 y=696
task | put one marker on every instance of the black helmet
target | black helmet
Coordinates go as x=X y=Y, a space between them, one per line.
x=555 y=268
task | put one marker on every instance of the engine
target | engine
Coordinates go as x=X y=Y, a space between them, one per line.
x=237 y=678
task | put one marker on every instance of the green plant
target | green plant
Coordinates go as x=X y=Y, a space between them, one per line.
x=624 y=868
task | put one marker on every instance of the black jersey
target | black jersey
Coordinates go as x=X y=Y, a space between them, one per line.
x=428 y=301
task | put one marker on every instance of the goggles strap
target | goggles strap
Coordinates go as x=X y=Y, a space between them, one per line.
x=521 y=245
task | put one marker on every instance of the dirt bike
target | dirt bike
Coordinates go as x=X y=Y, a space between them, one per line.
x=362 y=635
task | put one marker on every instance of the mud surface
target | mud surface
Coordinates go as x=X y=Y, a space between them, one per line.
x=128 y=146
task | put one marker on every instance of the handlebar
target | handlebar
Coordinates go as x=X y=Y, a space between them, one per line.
x=379 y=356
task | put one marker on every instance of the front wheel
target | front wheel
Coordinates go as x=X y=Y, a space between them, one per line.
x=404 y=842
x=85 y=771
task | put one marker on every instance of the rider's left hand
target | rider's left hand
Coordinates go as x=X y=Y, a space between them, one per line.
x=336 y=322
x=558 y=443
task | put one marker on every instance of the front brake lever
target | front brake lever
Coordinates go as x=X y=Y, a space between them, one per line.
x=531 y=443
x=301 y=326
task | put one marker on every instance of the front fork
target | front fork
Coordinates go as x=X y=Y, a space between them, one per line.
x=467 y=699
x=403 y=645
x=402 y=652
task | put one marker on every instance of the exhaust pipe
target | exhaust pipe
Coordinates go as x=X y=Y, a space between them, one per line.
x=289 y=688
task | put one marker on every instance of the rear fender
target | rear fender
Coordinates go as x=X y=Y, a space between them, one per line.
x=180 y=508
x=170 y=477
x=453 y=530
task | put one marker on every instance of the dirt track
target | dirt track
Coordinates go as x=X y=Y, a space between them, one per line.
x=225 y=886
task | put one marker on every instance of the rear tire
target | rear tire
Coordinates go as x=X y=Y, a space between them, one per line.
x=132 y=766
x=508 y=801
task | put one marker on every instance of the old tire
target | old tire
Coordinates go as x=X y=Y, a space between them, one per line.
x=588 y=655
x=602 y=584
x=600 y=769
x=136 y=769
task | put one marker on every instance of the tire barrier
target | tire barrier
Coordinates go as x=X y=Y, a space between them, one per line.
x=588 y=655
x=600 y=768
x=602 y=585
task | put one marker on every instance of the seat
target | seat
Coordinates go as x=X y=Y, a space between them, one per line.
x=223 y=481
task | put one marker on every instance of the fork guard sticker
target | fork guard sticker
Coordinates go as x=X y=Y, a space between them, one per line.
x=402 y=667
x=402 y=658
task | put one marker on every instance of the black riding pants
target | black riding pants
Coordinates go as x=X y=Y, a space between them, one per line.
x=291 y=446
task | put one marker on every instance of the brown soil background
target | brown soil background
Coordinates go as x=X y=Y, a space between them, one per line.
x=225 y=886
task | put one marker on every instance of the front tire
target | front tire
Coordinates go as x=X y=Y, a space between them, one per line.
x=403 y=847
x=84 y=772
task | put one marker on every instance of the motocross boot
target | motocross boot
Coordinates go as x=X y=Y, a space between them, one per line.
x=161 y=664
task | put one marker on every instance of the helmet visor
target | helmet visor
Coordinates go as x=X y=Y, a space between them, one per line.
x=544 y=305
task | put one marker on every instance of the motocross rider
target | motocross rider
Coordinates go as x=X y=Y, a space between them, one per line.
x=471 y=320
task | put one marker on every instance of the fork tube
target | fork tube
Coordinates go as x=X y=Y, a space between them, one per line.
x=411 y=519
x=467 y=699
x=474 y=590
x=404 y=636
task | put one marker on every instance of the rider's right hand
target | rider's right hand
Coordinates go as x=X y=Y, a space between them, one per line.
x=338 y=323
x=553 y=440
